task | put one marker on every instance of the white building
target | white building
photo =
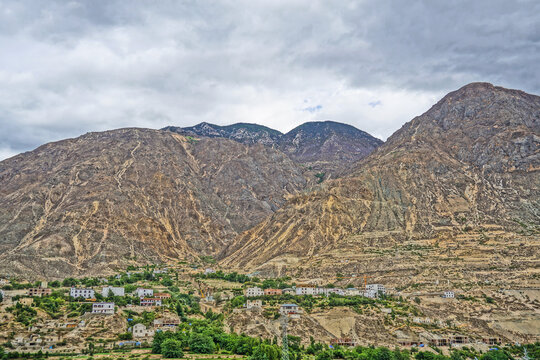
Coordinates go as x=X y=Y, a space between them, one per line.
x=327 y=292
x=289 y=291
x=84 y=293
x=448 y=295
x=254 y=291
x=311 y=290
x=116 y=291
x=209 y=271
x=144 y=293
x=306 y=290
x=289 y=309
x=372 y=294
x=353 y=292
x=150 y=302
x=106 y=308
x=139 y=330
x=378 y=288
x=253 y=304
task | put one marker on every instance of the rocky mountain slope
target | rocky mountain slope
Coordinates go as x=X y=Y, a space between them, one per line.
x=469 y=165
x=105 y=199
x=328 y=145
x=322 y=146
x=241 y=132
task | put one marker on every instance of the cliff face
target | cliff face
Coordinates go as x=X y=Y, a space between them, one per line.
x=325 y=147
x=469 y=163
x=103 y=200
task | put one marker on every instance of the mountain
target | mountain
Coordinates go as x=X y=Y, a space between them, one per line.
x=453 y=193
x=326 y=147
x=462 y=175
x=241 y=132
x=103 y=200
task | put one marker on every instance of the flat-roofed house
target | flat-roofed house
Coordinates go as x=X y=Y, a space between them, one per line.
x=254 y=291
x=378 y=288
x=272 y=292
x=306 y=290
x=143 y=293
x=39 y=291
x=106 y=308
x=449 y=295
x=250 y=304
x=289 y=309
x=140 y=330
x=162 y=296
x=84 y=293
x=150 y=302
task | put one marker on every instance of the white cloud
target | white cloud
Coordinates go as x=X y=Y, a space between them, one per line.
x=6 y=153
x=72 y=67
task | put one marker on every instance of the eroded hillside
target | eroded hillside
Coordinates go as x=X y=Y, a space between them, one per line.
x=102 y=200
x=469 y=163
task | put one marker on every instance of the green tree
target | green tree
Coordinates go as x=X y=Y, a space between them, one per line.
x=55 y=284
x=180 y=310
x=265 y=352
x=125 y=336
x=426 y=355
x=201 y=344
x=400 y=355
x=91 y=348
x=69 y=282
x=167 y=282
x=159 y=337
x=383 y=353
x=171 y=348
x=325 y=355
x=495 y=355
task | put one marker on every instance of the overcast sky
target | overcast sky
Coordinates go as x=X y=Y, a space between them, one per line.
x=69 y=67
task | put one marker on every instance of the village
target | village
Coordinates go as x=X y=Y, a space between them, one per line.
x=127 y=310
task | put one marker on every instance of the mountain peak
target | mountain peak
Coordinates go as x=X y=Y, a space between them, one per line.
x=323 y=146
x=477 y=90
x=469 y=163
x=486 y=126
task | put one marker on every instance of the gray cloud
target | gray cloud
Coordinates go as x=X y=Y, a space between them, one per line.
x=68 y=67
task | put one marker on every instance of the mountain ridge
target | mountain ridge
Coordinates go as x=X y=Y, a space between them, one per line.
x=106 y=199
x=96 y=202
x=327 y=147
x=471 y=161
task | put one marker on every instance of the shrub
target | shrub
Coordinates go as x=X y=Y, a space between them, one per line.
x=125 y=336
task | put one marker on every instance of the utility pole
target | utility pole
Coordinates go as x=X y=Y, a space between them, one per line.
x=284 y=340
